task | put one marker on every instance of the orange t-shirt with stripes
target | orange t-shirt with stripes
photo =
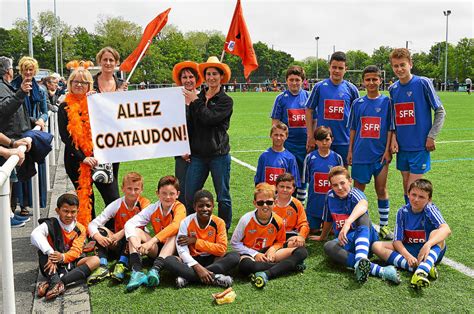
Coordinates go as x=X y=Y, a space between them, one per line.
x=294 y=217
x=73 y=243
x=123 y=214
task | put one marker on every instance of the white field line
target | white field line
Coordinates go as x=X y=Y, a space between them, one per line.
x=453 y=264
x=460 y=141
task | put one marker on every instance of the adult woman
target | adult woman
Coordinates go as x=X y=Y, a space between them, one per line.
x=75 y=132
x=185 y=74
x=37 y=108
x=209 y=119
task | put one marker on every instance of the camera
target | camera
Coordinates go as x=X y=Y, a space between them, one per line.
x=103 y=173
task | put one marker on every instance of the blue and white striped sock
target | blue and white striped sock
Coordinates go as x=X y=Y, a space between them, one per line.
x=362 y=244
x=375 y=270
x=397 y=260
x=384 y=210
x=431 y=260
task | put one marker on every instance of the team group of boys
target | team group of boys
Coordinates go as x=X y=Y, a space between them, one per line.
x=270 y=241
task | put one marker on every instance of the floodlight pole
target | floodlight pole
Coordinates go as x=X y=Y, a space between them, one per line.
x=317 y=57
x=446 y=13
x=30 y=29
x=56 y=37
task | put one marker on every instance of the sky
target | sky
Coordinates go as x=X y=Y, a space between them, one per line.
x=289 y=25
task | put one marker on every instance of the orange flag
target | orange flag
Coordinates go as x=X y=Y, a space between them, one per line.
x=238 y=41
x=151 y=30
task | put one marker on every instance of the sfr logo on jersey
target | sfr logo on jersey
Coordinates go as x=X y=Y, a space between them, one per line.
x=339 y=220
x=333 y=109
x=405 y=113
x=370 y=127
x=321 y=183
x=296 y=118
x=272 y=173
x=414 y=236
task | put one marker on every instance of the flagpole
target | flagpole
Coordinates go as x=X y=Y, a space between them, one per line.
x=222 y=55
x=138 y=60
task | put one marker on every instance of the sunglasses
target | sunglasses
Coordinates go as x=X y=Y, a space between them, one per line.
x=267 y=202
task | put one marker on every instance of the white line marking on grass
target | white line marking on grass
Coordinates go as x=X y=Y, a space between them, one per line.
x=240 y=162
x=248 y=151
x=458 y=266
x=460 y=141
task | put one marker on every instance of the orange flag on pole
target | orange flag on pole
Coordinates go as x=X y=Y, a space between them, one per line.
x=151 y=30
x=238 y=41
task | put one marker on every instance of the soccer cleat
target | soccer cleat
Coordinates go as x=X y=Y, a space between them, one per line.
x=119 y=272
x=55 y=291
x=419 y=280
x=223 y=280
x=433 y=274
x=259 y=279
x=98 y=275
x=137 y=279
x=181 y=282
x=153 y=278
x=385 y=233
x=42 y=289
x=390 y=273
x=301 y=267
x=362 y=270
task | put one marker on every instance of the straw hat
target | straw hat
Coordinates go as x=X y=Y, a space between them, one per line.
x=186 y=64
x=213 y=62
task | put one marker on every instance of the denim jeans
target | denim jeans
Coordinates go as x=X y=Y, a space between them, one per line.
x=180 y=169
x=196 y=176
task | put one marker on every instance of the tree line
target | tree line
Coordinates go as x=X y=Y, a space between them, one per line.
x=173 y=46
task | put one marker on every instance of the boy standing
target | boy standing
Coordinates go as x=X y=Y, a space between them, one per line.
x=420 y=235
x=413 y=97
x=276 y=160
x=60 y=243
x=331 y=100
x=113 y=242
x=369 y=154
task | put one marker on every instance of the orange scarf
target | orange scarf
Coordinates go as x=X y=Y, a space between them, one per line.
x=80 y=130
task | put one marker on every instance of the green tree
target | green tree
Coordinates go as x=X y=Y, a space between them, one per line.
x=118 y=33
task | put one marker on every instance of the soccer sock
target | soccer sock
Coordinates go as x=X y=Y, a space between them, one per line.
x=180 y=269
x=362 y=243
x=248 y=266
x=123 y=259
x=431 y=260
x=301 y=193
x=384 y=210
x=78 y=273
x=223 y=265
x=159 y=263
x=136 y=262
x=288 y=264
x=407 y=200
x=397 y=259
x=375 y=270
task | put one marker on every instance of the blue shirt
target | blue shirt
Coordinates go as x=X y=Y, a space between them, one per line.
x=315 y=172
x=412 y=104
x=337 y=210
x=371 y=119
x=332 y=104
x=290 y=109
x=271 y=164
x=415 y=228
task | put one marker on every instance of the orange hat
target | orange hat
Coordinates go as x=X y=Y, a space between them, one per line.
x=186 y=64
x=213 y=62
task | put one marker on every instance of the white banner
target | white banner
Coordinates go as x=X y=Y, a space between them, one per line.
x=137 y=125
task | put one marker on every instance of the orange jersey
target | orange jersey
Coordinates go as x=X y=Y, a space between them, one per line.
x=73 y=243
x=250 y=236
x=294 y=217
x=211 y=240
x=124 y=214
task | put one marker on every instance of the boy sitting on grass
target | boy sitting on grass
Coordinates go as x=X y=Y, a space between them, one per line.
x=346 y=210
x=112 y=242
x=60 y=242
x=420 y=236
x=165 y=217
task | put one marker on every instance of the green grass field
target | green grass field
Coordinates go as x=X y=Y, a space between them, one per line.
x=324 y=286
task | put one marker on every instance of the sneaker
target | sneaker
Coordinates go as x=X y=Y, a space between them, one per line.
x=153 y=278
x=301 y=267
x=433 y=274
x=119 y=272
x=259 y=279
x=223 y=280
x=137 y=279
x=55 y=291
x=98 y=275
x=390 y=273
x=21 y=218
x=385 y=233
x=181 y=282
x=16 y=223
x=362 y=270
x=419 y=280
x=42 y=289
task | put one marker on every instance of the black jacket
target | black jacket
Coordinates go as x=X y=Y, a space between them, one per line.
x=208 y=124
x=14 y=119
x=70 y=150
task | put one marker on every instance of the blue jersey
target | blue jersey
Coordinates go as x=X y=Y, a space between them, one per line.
x=332 y=104
x=415 y=228
x=315 y=172
x=271 y=164
x=290 y=109
x=371 y=119
x=337 y=210
x=412 y=104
